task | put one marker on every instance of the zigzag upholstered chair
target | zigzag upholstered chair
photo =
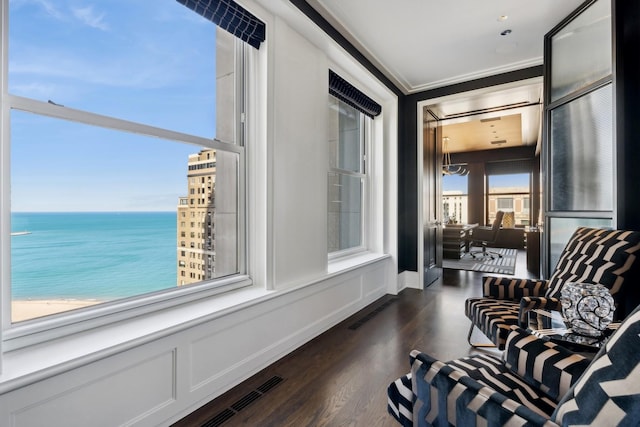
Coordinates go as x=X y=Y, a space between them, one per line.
x=592 y=255
x=535 y=383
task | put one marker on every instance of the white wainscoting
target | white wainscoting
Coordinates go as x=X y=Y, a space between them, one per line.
x=159 y=382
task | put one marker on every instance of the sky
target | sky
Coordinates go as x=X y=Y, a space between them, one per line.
x=147 y=61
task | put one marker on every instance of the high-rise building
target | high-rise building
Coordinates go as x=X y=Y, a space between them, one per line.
x=207 y=218
x=196 y=226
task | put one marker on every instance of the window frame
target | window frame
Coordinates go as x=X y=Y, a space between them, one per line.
x=366 y=136
x=39 y=330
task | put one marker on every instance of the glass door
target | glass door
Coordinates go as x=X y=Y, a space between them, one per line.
x=579 y=135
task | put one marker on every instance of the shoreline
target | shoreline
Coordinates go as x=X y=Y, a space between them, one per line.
x=31 y=309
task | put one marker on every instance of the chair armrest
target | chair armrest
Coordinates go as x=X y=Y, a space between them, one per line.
x=461 y=400
x=507 y=288
x=542 y=363
x=400 y=400
x=531 y=303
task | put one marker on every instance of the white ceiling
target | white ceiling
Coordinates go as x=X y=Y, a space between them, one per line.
x=424 y=44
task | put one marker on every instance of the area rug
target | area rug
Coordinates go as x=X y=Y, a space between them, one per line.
x=504 y=265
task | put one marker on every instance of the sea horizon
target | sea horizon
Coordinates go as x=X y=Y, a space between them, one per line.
x=72 y=212
x=92 y=255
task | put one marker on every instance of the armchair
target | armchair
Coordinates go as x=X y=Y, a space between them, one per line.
x=484 y=236
x=592 y=255
x=535 y=383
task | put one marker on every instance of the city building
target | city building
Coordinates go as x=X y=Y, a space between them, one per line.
x=507 y=199
x=195 y=225
x=454 y=207
x=510 y=199
x=207 y=204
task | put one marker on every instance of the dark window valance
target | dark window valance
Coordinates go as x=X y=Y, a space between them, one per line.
x=343 y=90
x=231 y=17
x=509 y=167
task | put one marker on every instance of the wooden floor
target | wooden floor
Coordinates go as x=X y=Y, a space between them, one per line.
x=340 y=378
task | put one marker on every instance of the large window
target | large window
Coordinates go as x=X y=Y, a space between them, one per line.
x=455 y=199
x=347 y=176
x=125 y=154
x=509 y=193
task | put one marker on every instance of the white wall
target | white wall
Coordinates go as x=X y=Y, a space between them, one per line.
x=300 y=158
x=160 y=377
x=165 y=379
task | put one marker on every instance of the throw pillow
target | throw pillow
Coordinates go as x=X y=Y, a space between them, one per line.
x=608 y=393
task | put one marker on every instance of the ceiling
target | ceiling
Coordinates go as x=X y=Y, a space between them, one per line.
x=425 y=44
x=490 y=119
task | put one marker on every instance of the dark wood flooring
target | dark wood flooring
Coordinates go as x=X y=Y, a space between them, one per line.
x=340 y=377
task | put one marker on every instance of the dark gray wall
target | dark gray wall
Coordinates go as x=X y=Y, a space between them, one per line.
x=408 y=162
x=626 y=39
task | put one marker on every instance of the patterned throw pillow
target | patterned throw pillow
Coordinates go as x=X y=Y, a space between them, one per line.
x=595 y=255
x=608 y=393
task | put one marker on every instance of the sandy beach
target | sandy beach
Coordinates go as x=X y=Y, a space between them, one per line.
x=29 y=309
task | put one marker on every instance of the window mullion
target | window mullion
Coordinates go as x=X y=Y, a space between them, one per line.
x=85 y=117
x=5 y=161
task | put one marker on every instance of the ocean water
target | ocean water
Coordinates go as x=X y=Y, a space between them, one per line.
x=100 y=256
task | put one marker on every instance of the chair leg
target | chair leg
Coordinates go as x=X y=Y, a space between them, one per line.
x=477 y=345
x=485 y=254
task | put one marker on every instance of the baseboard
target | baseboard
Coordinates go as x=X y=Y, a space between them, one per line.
x=409 y=279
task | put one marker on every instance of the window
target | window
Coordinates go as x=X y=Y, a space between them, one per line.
x=505 y=203
x=347 y=177
x=509 y=193
x=455 y=199
x=113 y=122
x=350 y=128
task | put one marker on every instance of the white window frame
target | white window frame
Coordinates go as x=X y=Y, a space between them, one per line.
x=366 y=136
x=35 y=331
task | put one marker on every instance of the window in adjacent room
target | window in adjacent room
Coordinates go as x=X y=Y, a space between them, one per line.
x=455 y=198
x=509 y=193
x=119 y=111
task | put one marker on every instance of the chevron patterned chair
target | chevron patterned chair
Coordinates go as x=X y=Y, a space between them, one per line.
x=592 y=255
x=534 y=383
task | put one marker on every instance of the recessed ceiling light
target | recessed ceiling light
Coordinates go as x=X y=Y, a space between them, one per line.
x=502 y=18
x=505 y=33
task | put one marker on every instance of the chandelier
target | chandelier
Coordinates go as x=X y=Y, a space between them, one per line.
x=447 y=167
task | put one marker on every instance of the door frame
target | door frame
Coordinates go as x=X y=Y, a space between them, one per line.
x=420 y=133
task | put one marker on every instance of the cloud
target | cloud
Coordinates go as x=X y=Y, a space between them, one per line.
x=84 y=15
x=47 y=5
x=134 y=71
x=89 y=17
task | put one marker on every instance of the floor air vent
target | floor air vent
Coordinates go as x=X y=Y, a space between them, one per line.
x=219 y=419
x=372 y=314
x=243 y=402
